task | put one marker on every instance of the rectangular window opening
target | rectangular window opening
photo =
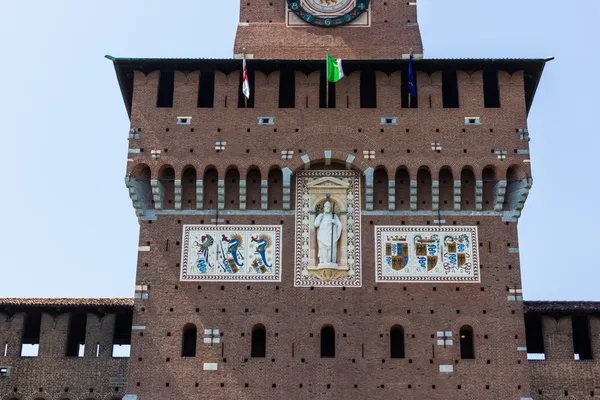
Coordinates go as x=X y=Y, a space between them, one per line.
x=206 y=89
x=287 y=88
x=97 y=349
x=6 y=349
x=491 y=92
x=450 y=89
x=322 y=92
x=166 y=86
x=368 y=89
x=122 y=335
x=76 y=335
x=30 y=343
x=535 y=337
x=582 y=344
x=414 y=101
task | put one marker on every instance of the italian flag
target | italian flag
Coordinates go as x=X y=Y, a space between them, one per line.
x=334 y=69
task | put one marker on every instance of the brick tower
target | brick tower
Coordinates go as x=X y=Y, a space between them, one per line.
x=292 y=251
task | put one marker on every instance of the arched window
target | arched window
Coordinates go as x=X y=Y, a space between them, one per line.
x=327 y=342
x=275 y=189
x=210 y=182
x=380 y=189
x=423 y=189
x=167 y=180
x=467 y=348
x=188 y=188
x=188 y=343
x=232 y=189
x=446 y=189
x=259 y=341
x=489 y=184
x=402 y=189
x=397 y=342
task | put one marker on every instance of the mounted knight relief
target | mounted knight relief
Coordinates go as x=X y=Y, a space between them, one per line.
x=426 y=254
x=327 y=229
x=242 y=253
x=328 y=13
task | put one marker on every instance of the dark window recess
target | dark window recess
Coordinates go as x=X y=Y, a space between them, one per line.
x=287 y=88
x=414 y=101
x=397 y=342
x=327 y=342
x=122 y=334
x=188 y=342
x=368 y=89
x=467 y=348
x=450 y=89
x=322 y=92
x=31 y=332
x=76 y=334
x=534 y=334
x=166 y=85
x=491 y=93
x=206 y=89
x=241 y=97
x=259 y=341
x=582 y=344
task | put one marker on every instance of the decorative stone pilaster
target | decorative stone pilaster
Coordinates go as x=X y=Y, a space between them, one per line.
x=264 y=194
x=178 y=194
x=158 y=193
x=287 y=191
x=243 y=193
x=479 y=195
x=221 y=194
x=499 y=194
x=413 y=195
x=457 y=195
x=369 y=172
x=435 y=195
x=199 y=194
x=391 y=194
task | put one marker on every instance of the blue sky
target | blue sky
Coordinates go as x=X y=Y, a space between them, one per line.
x=68 y=227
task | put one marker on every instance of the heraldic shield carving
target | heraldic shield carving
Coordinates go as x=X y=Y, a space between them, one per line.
x=426 y=254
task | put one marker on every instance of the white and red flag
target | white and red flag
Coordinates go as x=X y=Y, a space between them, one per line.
x=245 y=83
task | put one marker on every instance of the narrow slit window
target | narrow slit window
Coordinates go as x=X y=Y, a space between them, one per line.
x=287 y=88
x=206 y=89
x=368 y=89
x=166 y=86
x=491 y=92
x=327 y=342
x=259 y=341
x=450 y=89
x=467 y=347
x=397 y=342
x=190 y=337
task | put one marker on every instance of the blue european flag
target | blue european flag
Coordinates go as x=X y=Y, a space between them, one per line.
x=411 y=78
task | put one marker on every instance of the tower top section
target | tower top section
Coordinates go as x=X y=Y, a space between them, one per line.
x=307 y=29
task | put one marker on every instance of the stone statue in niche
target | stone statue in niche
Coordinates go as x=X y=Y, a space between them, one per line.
x=329 y=231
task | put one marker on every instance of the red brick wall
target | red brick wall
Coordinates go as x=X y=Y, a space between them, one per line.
x=263 y=33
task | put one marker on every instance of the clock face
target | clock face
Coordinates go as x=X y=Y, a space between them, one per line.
x=328 y=13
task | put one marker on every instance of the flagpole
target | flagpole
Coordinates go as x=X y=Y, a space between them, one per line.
x=244 y=62
x=327 y=80
x=410 y=62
